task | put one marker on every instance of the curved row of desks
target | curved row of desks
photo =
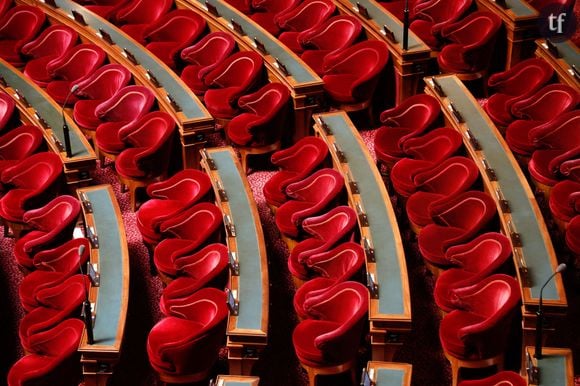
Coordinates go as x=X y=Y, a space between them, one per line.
x=564 y=57
x=247 y=331
x=37 y=108
x=387 y=279
x=173 y=95
x=520 y=216
x=110 y=256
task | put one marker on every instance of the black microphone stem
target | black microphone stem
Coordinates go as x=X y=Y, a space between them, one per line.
x=65 y=130
x=406 y=26
x=540 y=314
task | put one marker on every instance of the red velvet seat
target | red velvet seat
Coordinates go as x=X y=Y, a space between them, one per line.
x=340 y=263
x=334 y=34
x=18 y=26
x=5 y=5
x=51 y=225
x=308 y=198
x=29 y=184
x=564 y=200
x=205 y=268
x=326 y=231
x=94 y=89
x=244 y=6
x=351 y=75
x=456 y=220
x=107 y=9
x=572 y=237
x=53 y=266
x=309 y=289
x=139 y=12
x=432 y=16
x=7 y=106
x=204 y=56
x=471 y=262
x=127 y=105
x=435 y=146
x=169 y=198
x=171 y=33
x=261 y=125
x=547 y=167
x=397 y=7
x=231 y=79
x=307 y=15
x=559 y=133
x=295 y=163
x=452 y=176
x=477 y=333
x=185 y=233
x=52 y=42
x=184 y=348
x=407 y=120
x=330 y=340
x=54 y=359
x=55 y=305
x=403 y=173
x=265 y=12
x=18 y=144
x=472 y=41
x=502 y=378
x=76 y=63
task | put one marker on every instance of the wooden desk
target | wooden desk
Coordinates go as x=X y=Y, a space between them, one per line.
x=389 y=373
x=235 y=380
x=306 y=87
x=556 y=366
x=111 y=298
x=248 y=331
x=173 y=95
x=569 y=56
x=535 y=258
x=39 y=109
x=521 y=23
x=410 y=65
x=390 y=309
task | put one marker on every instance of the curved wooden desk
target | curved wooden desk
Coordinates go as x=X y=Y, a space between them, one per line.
x=39 y=109
x=519 y=214
x=248 y=330
x=110 y=255
x=389 y=373
x=283 y=65
x=555 y=368
x=235 y=380
x=564 y=58
x=411 y=65
x=173 y=95
x=387 y=279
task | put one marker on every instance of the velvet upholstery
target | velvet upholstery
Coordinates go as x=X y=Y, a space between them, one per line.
x=564 y=201
x=142 y=11
x=265 y=12
x=184 y=348
x=50 y=44
x=549 y=166
x=231 y=79
x=261 y=121
x=351 y=74
x=204 y=56
x=431 y=17
x=334 y=34
x=340 y=263
x=185 y=233
x=7 y=106
x=171 y=33
x=472 y=41
x=18 y=26
x=456 y=220
x=76 y=63
x=559 y=133
x=169 y=198
x=435 y=146
x=311 y=288
x=54 y=357
x=560 y=97
x=51 y=225
x=29 y=184
x=332 y=335
x=397 y=7
x=309 y=197
x=572 y=236
x=295 y=163
x=502 y=378
x=480 y=327
x=95 y=88
x=107 y=9
x=18 y=144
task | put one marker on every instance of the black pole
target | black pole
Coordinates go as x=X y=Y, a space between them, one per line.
x=88 y=319
x=66 y=134
x=406 y=26
x=540 y=314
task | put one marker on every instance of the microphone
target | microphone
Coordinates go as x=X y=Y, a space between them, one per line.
x=64 y=125
x=406 y=26
x=86 y=311
x=540 y=314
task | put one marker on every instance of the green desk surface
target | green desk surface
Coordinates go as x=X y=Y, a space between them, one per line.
x=113 y=291
x=249 y=241
x=553 y=370
x=389 y=377
x=191 y=107
x=390 y=373
x=236 y=380
x=521 y=8
x=386 y=240
x=50 y=112
x=535 y=243
x=569 y=53
x=382 y=17
x=297 y=68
